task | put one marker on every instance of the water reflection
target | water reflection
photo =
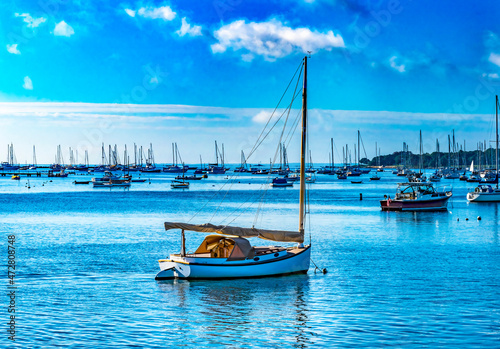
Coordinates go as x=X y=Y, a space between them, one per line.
x=417 y=217
x=495 y=226
x=254 y=312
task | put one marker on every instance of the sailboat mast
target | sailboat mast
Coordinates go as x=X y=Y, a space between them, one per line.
x=496 y=140
x=333 y=164
x=303 y=152
x=359 y=149
x=34 y=156
x=216 y=154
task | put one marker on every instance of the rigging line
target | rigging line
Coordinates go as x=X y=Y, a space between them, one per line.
x=234 y=176
x=257 y=144
x=273 y=162
x=361 y=139
x=259 y=141
x=292 y=130
x=279 y=102
x=284 y=128
x=274 y=125
x=261 y=204
x=240 y=210
x=294 y=127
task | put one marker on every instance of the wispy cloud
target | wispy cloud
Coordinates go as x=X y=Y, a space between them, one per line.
x=494 y=58
x=130 y=12
x=188 y=29
x=394 y=65
x=272 y=39
x=28 y=84
x=164 y=13
x=262 y=117
x=32 y=22
x=63 y=29
x=13 y=49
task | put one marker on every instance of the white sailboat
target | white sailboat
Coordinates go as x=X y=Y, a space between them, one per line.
x=484 y=192
x=228 y=253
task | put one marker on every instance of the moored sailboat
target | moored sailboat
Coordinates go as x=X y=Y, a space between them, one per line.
x=484 y=192
x=230 y=255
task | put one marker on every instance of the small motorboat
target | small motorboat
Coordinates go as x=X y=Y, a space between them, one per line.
x=111 y=183
x=81 y=182
x=190 y=178
x=356 y=182
x=473 y=178
x=281 y=182
x=484 y=193
x=416 y=197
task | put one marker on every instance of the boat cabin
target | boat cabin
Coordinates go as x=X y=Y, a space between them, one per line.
x=219 y=246
x=483 y=189
x=410 y=191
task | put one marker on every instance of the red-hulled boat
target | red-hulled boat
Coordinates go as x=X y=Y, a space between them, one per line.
x=416 y=197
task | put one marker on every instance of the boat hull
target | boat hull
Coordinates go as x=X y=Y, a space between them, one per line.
x=484 y=197
x=438 y=204
x=220 y=268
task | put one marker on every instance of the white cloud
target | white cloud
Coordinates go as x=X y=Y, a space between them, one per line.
x=492 y=76
x=188 y=29
x=247 y=57
x=400 y=68
x=272 y=39
x=63 y=29
x=262 y=117
x=130 y=12
x=494 y=58
x=32 y=22
x=28 y=84
x=165 y=13
x=13 y=49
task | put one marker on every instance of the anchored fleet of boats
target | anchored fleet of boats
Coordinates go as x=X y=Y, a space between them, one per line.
x=226 y=251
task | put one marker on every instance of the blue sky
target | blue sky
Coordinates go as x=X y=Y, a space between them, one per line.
x=194 y=71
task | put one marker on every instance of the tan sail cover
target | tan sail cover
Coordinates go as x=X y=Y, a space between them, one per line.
x=273 y=235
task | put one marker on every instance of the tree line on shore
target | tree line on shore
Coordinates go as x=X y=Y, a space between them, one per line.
x=485 y=159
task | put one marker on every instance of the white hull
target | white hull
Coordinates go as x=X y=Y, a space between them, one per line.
x=484 y=197
x=272 y=264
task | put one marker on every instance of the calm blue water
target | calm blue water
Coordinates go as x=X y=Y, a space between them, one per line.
x=87 y=260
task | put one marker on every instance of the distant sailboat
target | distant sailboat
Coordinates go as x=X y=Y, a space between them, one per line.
x=33 y=166
x=376 y=177
x=484 y=192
